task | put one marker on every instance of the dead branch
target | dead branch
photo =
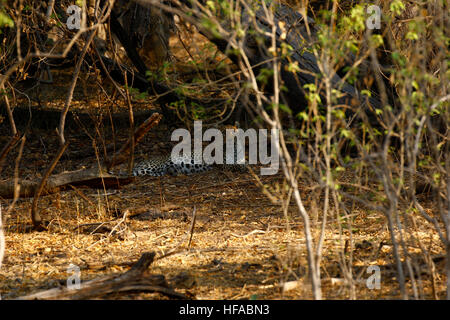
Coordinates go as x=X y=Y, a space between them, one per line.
x=82 y=195
x=92 y=177
x=7 y=148
x=131 y=131
x=135 y=279
x=191 y=230
x=35 y=217
x=9 y=111
x=122 y=155
x=72 y=88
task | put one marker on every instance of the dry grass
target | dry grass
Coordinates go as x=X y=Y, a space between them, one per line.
x=241 y=248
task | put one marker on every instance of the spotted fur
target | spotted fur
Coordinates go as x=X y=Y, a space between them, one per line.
x=164 y=165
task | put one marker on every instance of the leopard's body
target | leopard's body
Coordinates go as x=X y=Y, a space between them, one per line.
x=165 y=165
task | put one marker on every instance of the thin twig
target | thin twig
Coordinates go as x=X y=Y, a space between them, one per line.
x=8 y=110
x=73 y=84
x=35 y=217
x=7 y=148
x=191 y=230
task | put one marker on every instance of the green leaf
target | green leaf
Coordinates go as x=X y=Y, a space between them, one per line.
x=285 y=108
x=397 y=7
x=302 y=116
x=366 y=92
x=411 y=35
x=5 y=20
x=376 y=40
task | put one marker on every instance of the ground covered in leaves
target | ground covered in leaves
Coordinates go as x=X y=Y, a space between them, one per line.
x=242 y=245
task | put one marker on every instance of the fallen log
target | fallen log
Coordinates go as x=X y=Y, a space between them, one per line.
x=136 y=279
x=96 y=177
x=93 y=177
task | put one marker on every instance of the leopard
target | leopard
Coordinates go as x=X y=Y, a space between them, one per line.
x=164 y=165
